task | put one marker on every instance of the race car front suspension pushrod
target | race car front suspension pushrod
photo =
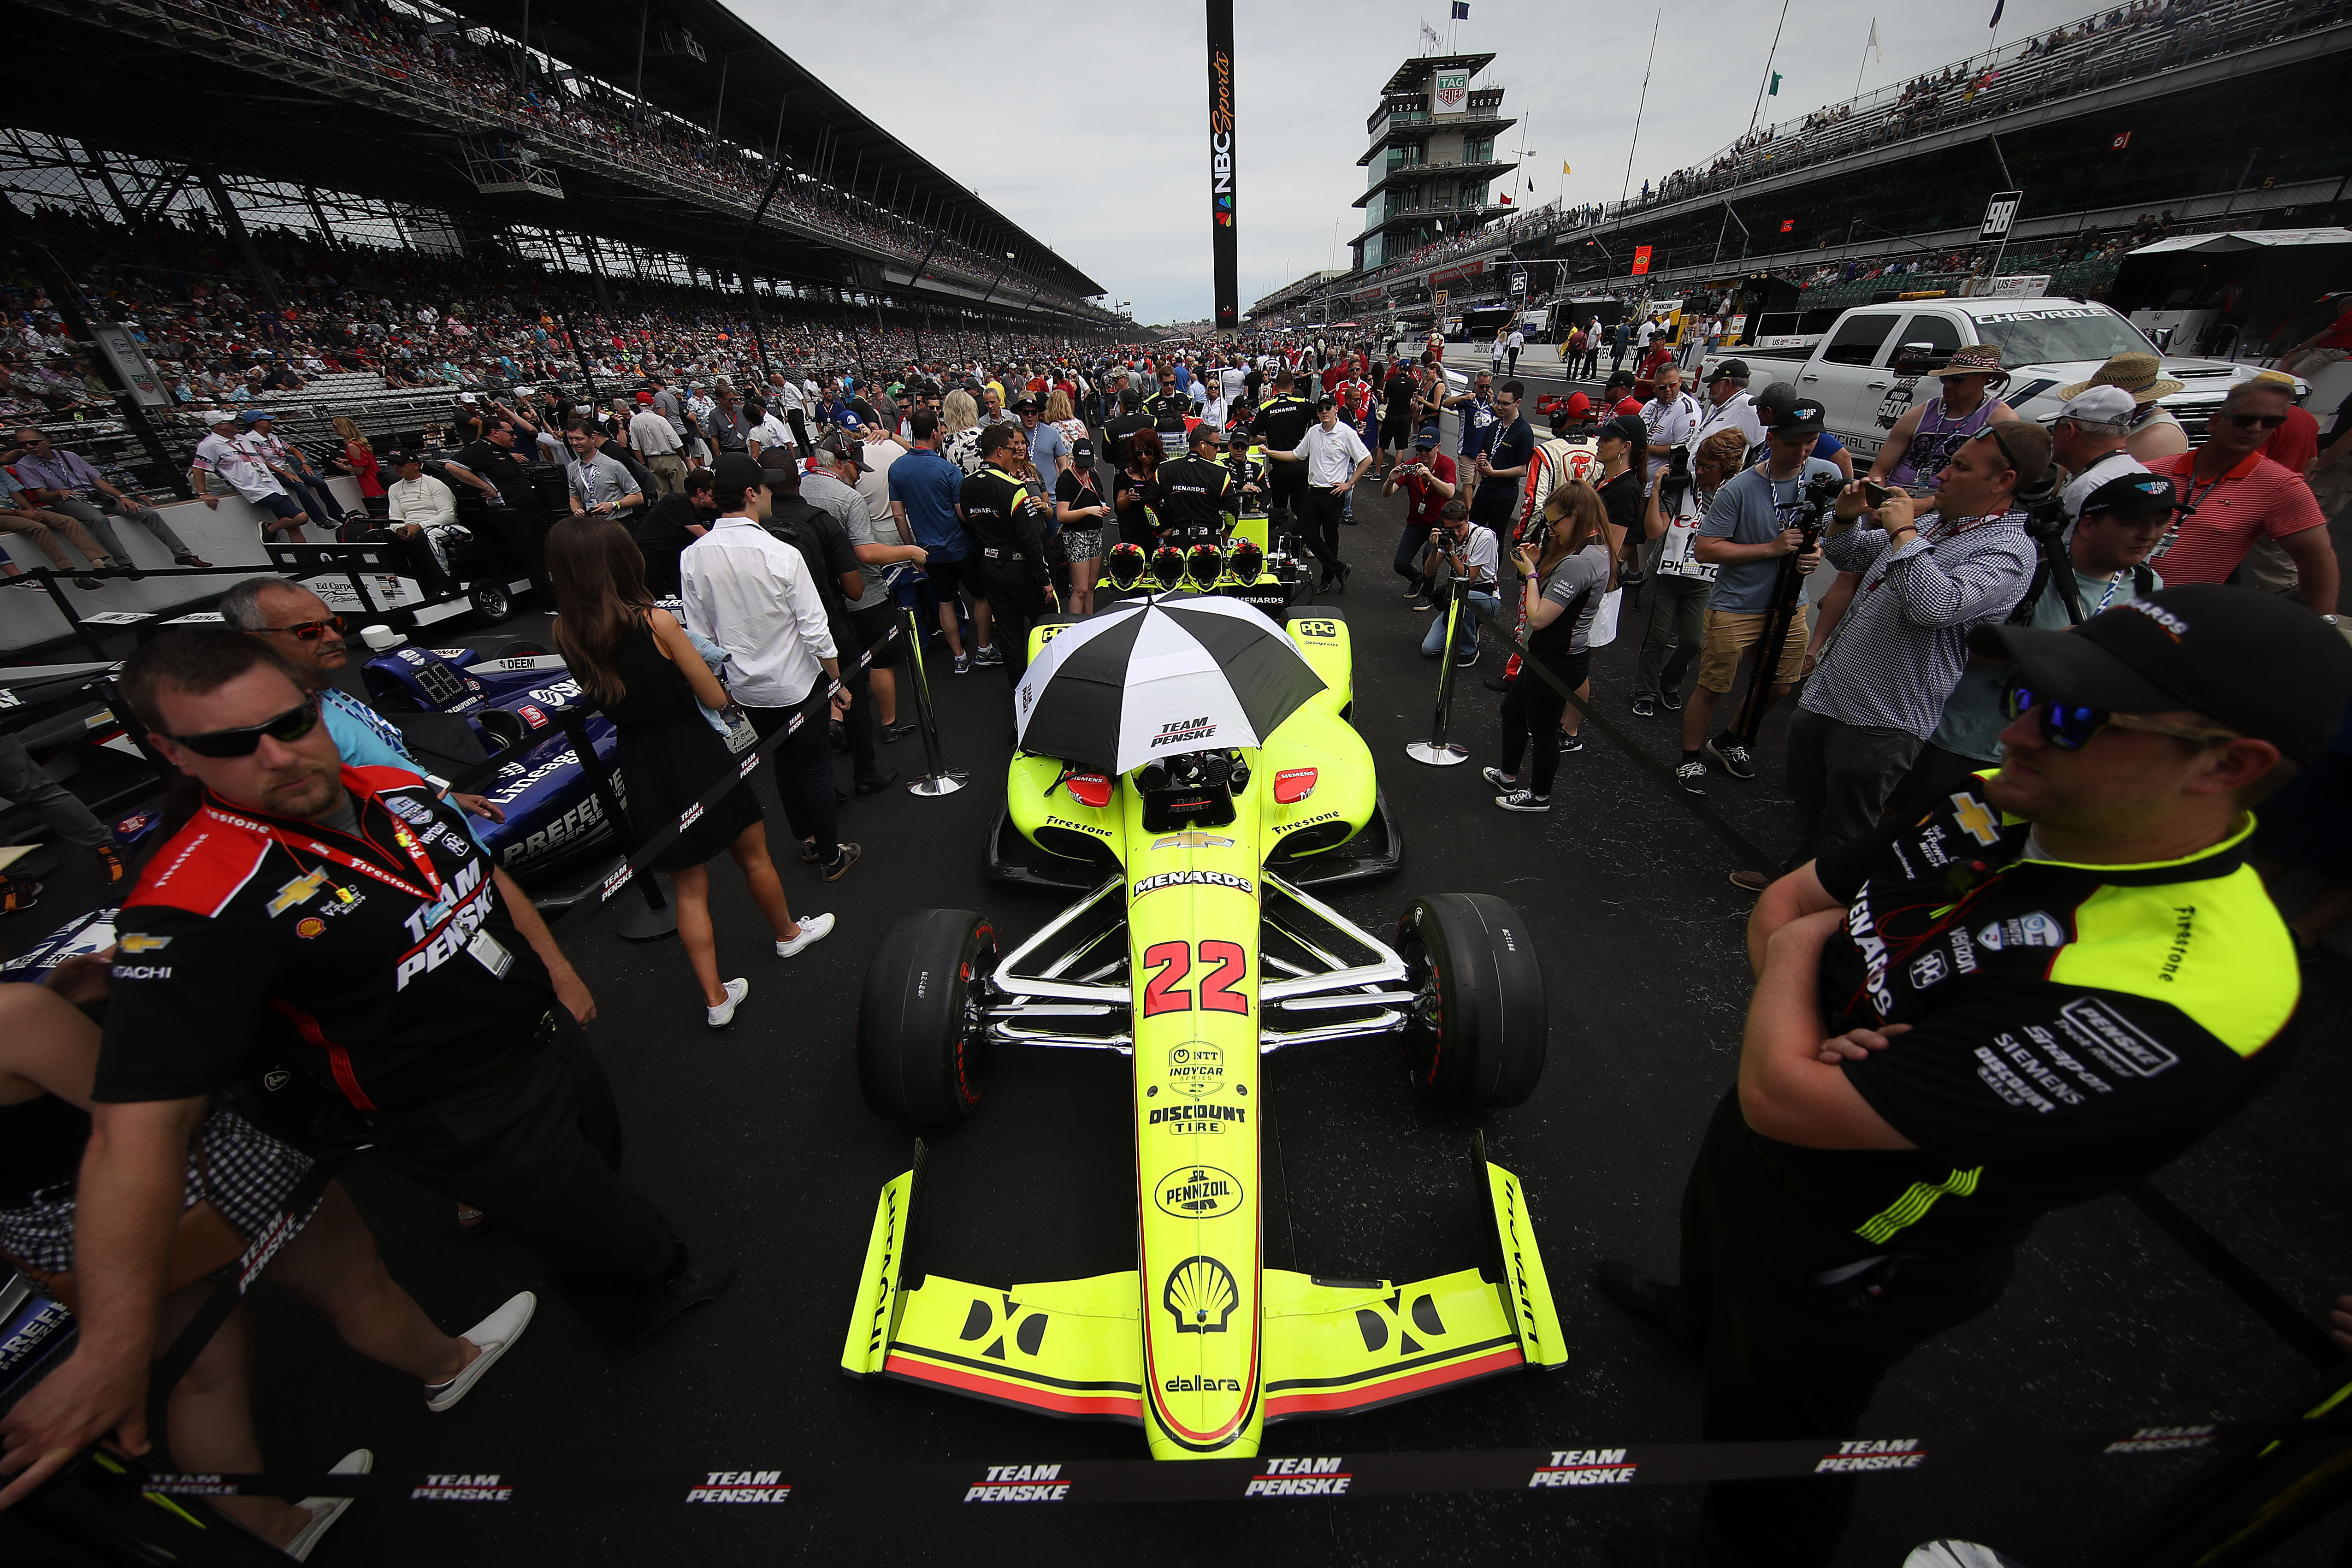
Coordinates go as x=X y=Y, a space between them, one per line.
x=1008 y=980
x=1387 y=965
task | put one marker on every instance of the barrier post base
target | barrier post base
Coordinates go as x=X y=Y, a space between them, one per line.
x=943 y=783
x=641 y=922
x=1437 y=753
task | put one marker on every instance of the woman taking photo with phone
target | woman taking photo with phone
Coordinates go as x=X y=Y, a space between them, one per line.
x=1079 y=506
x=1562 y=591
x=637 y=662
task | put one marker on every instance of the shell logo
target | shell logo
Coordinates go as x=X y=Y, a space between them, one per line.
x=1201 y=1295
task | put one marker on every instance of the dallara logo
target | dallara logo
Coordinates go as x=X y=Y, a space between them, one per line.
x=1200 y=1191
x=1201 y=1295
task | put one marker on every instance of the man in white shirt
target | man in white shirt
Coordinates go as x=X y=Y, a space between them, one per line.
x=1728 y=406
x=659 y=447
x=783 y=397
x=2087 y=441
x=419 y=507
x=1336 y=457
x=767 y=430
x=222 y=456
x=751 y=593
x=1670 y=417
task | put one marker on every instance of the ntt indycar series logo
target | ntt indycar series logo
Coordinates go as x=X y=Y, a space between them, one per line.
x=742 y=1485
x=1301 y=1478
x=1020 y=1483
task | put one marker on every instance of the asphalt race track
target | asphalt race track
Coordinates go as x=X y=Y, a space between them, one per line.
x=758 y=1144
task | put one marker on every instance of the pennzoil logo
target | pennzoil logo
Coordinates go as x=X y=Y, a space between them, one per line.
x=1199 y=1191
x=742 y=1485
x=1201 y=1296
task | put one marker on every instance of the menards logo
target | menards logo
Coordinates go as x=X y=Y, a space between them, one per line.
x=1020 y=1483
x=1301 y=1478
x=742 y=1485
x=1585 y=1468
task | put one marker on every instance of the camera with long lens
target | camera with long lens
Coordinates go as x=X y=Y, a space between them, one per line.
x=1820 y=500
x=1193 y=790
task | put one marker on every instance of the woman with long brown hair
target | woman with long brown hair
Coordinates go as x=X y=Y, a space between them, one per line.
x=1135 y=495
x=639 y=663
x=1563 y=589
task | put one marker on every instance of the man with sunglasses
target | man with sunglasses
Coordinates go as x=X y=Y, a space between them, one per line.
x=308 y=637
x=2056 y=981
x=2232 y=495
x=65 y=482
x=340 y=920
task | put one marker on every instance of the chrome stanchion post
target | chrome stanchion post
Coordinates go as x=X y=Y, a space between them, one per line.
x=1437 y=751
x=939 y=779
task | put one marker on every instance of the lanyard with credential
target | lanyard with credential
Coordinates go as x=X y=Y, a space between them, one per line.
x=406 y=840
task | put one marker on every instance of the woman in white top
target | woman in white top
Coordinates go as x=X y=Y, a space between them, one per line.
x=1063 y=418
x=960 y=431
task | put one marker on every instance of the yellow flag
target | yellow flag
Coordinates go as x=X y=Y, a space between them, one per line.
x=1564 y=169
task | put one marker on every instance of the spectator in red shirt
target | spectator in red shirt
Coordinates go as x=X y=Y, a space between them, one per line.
x=1618 y=397
x=1645 y=380
x=1428 y=477
x=2295 y=444
x=2234 y=496
x=2324 y=349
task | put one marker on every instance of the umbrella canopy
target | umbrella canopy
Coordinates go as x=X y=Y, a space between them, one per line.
x=1160 y=679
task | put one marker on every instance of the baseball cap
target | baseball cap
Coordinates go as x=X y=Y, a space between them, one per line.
x=1626 y=429
x=1618 y=378
x=644 y=397
x=467 y=397
x=2132 y=497
x=1427 y=436
x=255 y=415
x=1082 y=452
x=845 y=447
x=1576 y=405
x=400 y=459
x=1729 y=369
x=1801 y=417
x=1027 y=405
x=736 y=471
x=2100 y=406
x=2204 y=646
x=221 y=416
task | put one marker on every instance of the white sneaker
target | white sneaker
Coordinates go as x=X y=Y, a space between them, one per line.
x=718 y=1017
x=494 y=1334
x=325 y=1510
x=813 y=929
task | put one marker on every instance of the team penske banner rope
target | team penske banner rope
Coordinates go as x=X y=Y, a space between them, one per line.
x=1581 y=1463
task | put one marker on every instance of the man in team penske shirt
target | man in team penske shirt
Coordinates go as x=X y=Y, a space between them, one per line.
x=341 y=921
x=2052 y=983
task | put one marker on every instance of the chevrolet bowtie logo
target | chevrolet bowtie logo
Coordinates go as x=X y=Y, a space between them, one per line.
x=135 y=943
x=300 y=890
x=1982 y=826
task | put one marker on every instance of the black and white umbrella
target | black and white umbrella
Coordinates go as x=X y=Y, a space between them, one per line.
x=1160 y=679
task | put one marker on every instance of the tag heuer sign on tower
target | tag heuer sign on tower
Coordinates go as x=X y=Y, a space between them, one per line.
x=1451 y=91
x=1432 y=160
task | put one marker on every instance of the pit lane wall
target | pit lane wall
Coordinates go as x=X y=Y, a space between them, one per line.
x=229 y=535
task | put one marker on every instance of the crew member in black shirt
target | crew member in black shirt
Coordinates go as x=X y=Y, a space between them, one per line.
x=1281 y=423
x=1169 y=409
x=496 y=466
x=1121 y=426
x=1007 y=518
x=664 y=529
x=1198 y=492
x=2054 y=982
x=340 y=922
x=1502 y=466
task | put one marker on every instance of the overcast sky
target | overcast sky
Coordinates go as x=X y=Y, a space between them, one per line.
x=1094 y=139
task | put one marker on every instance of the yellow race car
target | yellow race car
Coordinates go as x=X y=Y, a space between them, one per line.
x=1196 y=950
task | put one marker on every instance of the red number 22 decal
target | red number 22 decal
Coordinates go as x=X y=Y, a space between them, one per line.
x=1163 y=992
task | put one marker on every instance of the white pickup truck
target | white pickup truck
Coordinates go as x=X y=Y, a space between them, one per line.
x=1867 y=368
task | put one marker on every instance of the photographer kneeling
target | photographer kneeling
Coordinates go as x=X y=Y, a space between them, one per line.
x=2051 y=1030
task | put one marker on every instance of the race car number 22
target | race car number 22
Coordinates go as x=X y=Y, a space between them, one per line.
x=1165 y=993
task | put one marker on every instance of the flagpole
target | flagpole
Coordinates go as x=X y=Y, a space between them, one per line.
x=1775 y=50
x=1865 y=65
x=1639 y=106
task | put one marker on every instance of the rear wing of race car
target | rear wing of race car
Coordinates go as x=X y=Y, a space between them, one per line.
x=1074 y=1348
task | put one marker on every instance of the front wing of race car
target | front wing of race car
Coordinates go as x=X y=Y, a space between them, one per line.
x=1074 y=1348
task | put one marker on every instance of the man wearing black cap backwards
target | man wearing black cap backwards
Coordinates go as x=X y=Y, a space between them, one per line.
x=2054 y=981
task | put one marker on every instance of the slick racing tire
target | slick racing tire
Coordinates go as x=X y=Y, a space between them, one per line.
x=490 y=602
x=922 y=1041
x=1476 y=1038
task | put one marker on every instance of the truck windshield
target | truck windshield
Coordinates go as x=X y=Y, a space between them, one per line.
x=2057 y=334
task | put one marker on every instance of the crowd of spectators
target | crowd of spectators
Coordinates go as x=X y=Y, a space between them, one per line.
x=511 y=91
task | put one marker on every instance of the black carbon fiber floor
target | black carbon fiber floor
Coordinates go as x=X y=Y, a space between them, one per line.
x=758 y=1144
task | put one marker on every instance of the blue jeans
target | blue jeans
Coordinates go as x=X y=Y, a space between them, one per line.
x=1465 y=633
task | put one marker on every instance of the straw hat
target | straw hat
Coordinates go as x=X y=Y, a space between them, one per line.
x=1976 y=358
x=2136 y=374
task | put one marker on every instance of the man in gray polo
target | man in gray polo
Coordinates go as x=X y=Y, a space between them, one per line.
x=600 y=485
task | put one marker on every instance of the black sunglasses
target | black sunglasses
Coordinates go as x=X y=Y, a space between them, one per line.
x=2249 y=421
x=2070 y=728
x=290 y=725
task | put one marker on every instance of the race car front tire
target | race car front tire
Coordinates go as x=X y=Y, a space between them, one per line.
x=922 y=1041
x=1477 y=1036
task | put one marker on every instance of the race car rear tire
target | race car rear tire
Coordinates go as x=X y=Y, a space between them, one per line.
x=490 y=602
x=1477 y=1037
x=922 y=1053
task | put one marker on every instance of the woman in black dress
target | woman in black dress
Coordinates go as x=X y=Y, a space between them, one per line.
x=637 y=662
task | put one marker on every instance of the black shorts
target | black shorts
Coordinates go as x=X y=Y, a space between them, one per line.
x=947 y=576
x=874 y=628
x=1395 y=433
